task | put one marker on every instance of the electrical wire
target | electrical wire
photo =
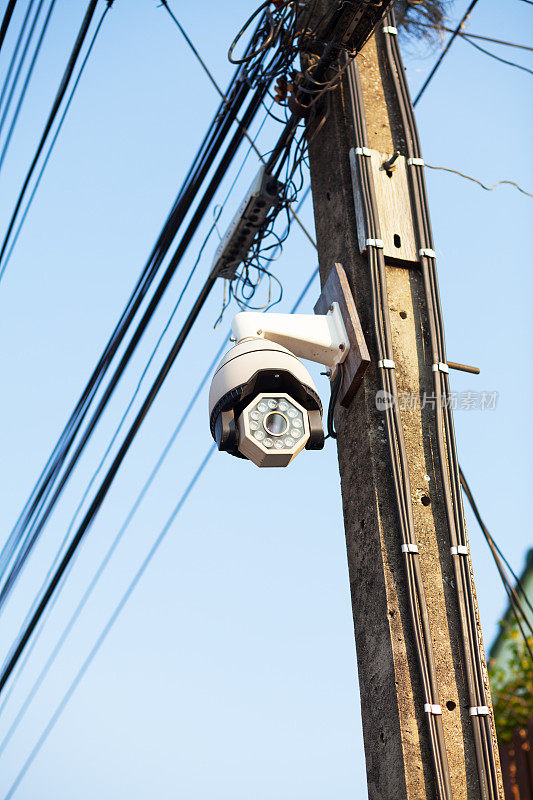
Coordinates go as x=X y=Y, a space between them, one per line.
x=136 y=424
x=58 y=129
x=15 y=52
x=468 y=492
x=218 y=130
x=50 y=148
x=397 y=451
x=479 y=183
x=488 y=775
x=8 y=13
x=468 y=35
x=9 y=543
x=497 y=58
x=473 y=662
x=109 y=625
x=35 y=531
x=133 y=583
x=20 y=63
x=44 y=486
x=343 y=17
x=89 y=13
x=515 y=603
x=129 y=438
x=335 y=388
x=130 y=515
x=442 y=56
x=119 y=427
x=150 y=360
x=26 y=82
x=108 y=555
x=246 y=134
x=288 y=154
x=197 y=173
x=164 y=4
x=105 y=485
x=18 y=231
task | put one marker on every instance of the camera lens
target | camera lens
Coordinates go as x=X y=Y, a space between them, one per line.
x=275 y=423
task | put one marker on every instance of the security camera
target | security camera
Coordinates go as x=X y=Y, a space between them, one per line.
x=263 y=404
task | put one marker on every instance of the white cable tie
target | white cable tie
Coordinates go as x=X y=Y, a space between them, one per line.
x=416 y=162
x=409 y=548
x=387 y=363
x=433 y=708
x=362 y=151
x=441 y=366
x=375 y=242
x=390 y=29
x=426 y=251
x=479 y=711
x=460 y=550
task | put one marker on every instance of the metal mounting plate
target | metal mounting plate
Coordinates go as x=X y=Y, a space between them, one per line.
x=337 y=290
x=391 y=188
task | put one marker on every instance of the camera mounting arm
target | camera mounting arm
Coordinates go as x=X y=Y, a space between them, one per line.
x=331 y=336
x=317 y=337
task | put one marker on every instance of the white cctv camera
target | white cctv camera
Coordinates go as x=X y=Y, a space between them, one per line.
x=263 y=404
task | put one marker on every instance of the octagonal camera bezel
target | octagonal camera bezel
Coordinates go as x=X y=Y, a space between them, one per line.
x=254 y=450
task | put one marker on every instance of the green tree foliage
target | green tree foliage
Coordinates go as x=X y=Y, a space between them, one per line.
x=512 y=688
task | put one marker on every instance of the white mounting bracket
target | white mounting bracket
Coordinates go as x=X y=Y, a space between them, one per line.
x=317 y=337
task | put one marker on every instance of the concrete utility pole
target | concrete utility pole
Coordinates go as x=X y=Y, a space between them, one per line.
x=395 y=725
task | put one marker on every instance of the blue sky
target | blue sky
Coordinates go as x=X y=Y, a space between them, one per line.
x=231 y=672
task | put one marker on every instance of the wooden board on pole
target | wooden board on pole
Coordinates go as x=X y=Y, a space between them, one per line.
x=337 y=290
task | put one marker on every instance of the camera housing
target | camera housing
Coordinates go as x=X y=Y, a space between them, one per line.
x=258 y=390
x=263 y=404
x=261 y=394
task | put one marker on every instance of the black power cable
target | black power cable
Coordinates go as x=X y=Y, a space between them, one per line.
x=497 y=58
x=108 y=626
x=141 y=495
x=340 y=22
x=15 y=53
x=35 y=531
x=335 y=389
x=468 y=35
x=52 y=145
x=91 y=8
x=107 y=557
x=106 y=484
x=442 y=56
x=25 y=84
x=7 y=549
x=130 y=406
x=164 y=4
x=237 y=91
x=201 y=165
x=6 y=20
x=513 y=592
x=472 y=656
x=397 y=451
x=254 y=105
x=44 y=485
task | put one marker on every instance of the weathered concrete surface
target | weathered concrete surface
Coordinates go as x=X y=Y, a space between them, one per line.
x=394 y=725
